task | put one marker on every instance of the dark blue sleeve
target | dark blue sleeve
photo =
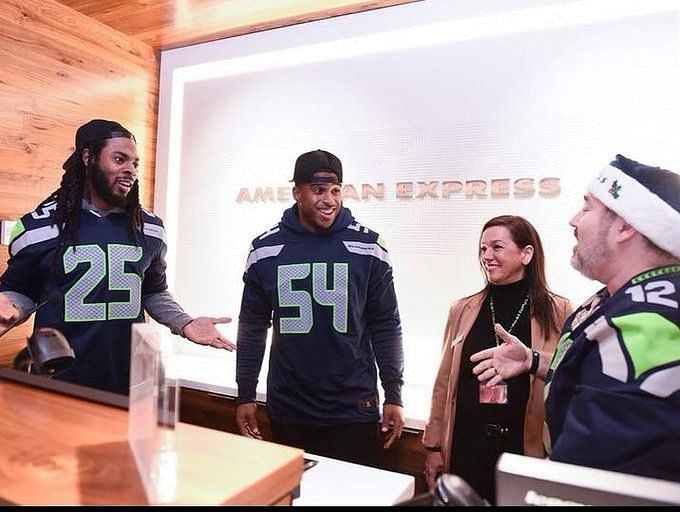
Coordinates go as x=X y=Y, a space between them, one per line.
x=627 y=433
x=154 y=278
x=251 y=338
x=384 y=323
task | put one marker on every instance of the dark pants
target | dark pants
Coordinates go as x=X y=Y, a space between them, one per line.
x=351 y=442
x=476 y=449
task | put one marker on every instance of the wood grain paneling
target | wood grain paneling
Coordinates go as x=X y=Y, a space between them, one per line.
x=165 y=24
x=59 y=69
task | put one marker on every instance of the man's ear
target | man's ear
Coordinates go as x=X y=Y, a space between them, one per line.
x=527 y=254
x=296 y=193
x=625 y=231
x=85 y=156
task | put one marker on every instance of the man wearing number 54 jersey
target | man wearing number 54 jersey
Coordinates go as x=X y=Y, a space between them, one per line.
x=91 y=244
x=324 y=282
x=613 y=384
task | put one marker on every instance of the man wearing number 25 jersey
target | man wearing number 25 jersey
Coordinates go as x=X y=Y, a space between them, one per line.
x=324 y=282
x=92 y=246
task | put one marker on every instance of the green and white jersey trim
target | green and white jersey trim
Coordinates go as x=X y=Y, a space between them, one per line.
x=649 y=340
x=269 y=251
x=155 y=231
x=368 y=250
x=22 y=238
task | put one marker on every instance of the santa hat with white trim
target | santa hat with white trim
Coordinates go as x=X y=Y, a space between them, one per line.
x=647 y=198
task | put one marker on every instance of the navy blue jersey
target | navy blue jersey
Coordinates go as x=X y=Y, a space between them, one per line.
x=331 y=301
x=613 y=388
x=102 y=279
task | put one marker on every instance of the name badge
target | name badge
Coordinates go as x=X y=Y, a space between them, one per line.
x=497 y=394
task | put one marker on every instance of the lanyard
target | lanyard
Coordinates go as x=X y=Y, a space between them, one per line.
x=493 y=316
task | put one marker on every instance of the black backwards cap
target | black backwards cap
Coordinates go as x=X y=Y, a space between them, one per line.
x=96 y=129
x=316 y=161
x=646 y=197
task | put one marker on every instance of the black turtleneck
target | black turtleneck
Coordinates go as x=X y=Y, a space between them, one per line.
x=507 y=301
x=474 y=455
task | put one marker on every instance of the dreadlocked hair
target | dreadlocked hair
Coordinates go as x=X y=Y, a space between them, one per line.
x=69 y=196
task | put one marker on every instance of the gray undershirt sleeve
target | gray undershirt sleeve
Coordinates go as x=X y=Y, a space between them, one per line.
x=163 y=308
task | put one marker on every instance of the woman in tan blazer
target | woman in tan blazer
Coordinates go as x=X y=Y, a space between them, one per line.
x=470 y=423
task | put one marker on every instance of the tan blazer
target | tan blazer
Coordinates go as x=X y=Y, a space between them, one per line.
x=462 y=315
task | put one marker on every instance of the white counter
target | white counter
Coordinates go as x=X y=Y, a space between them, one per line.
x=214 y=375
x=330 y=481
x=335 y=482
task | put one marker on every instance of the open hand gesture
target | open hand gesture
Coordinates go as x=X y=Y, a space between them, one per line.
x=202 y=330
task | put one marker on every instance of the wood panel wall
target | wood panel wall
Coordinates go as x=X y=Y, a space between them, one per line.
x=58 y=70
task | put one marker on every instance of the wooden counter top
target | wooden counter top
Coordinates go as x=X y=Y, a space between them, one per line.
x=57 y=449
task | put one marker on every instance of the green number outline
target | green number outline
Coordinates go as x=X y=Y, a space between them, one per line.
x=336 y=297
x=115 y=258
